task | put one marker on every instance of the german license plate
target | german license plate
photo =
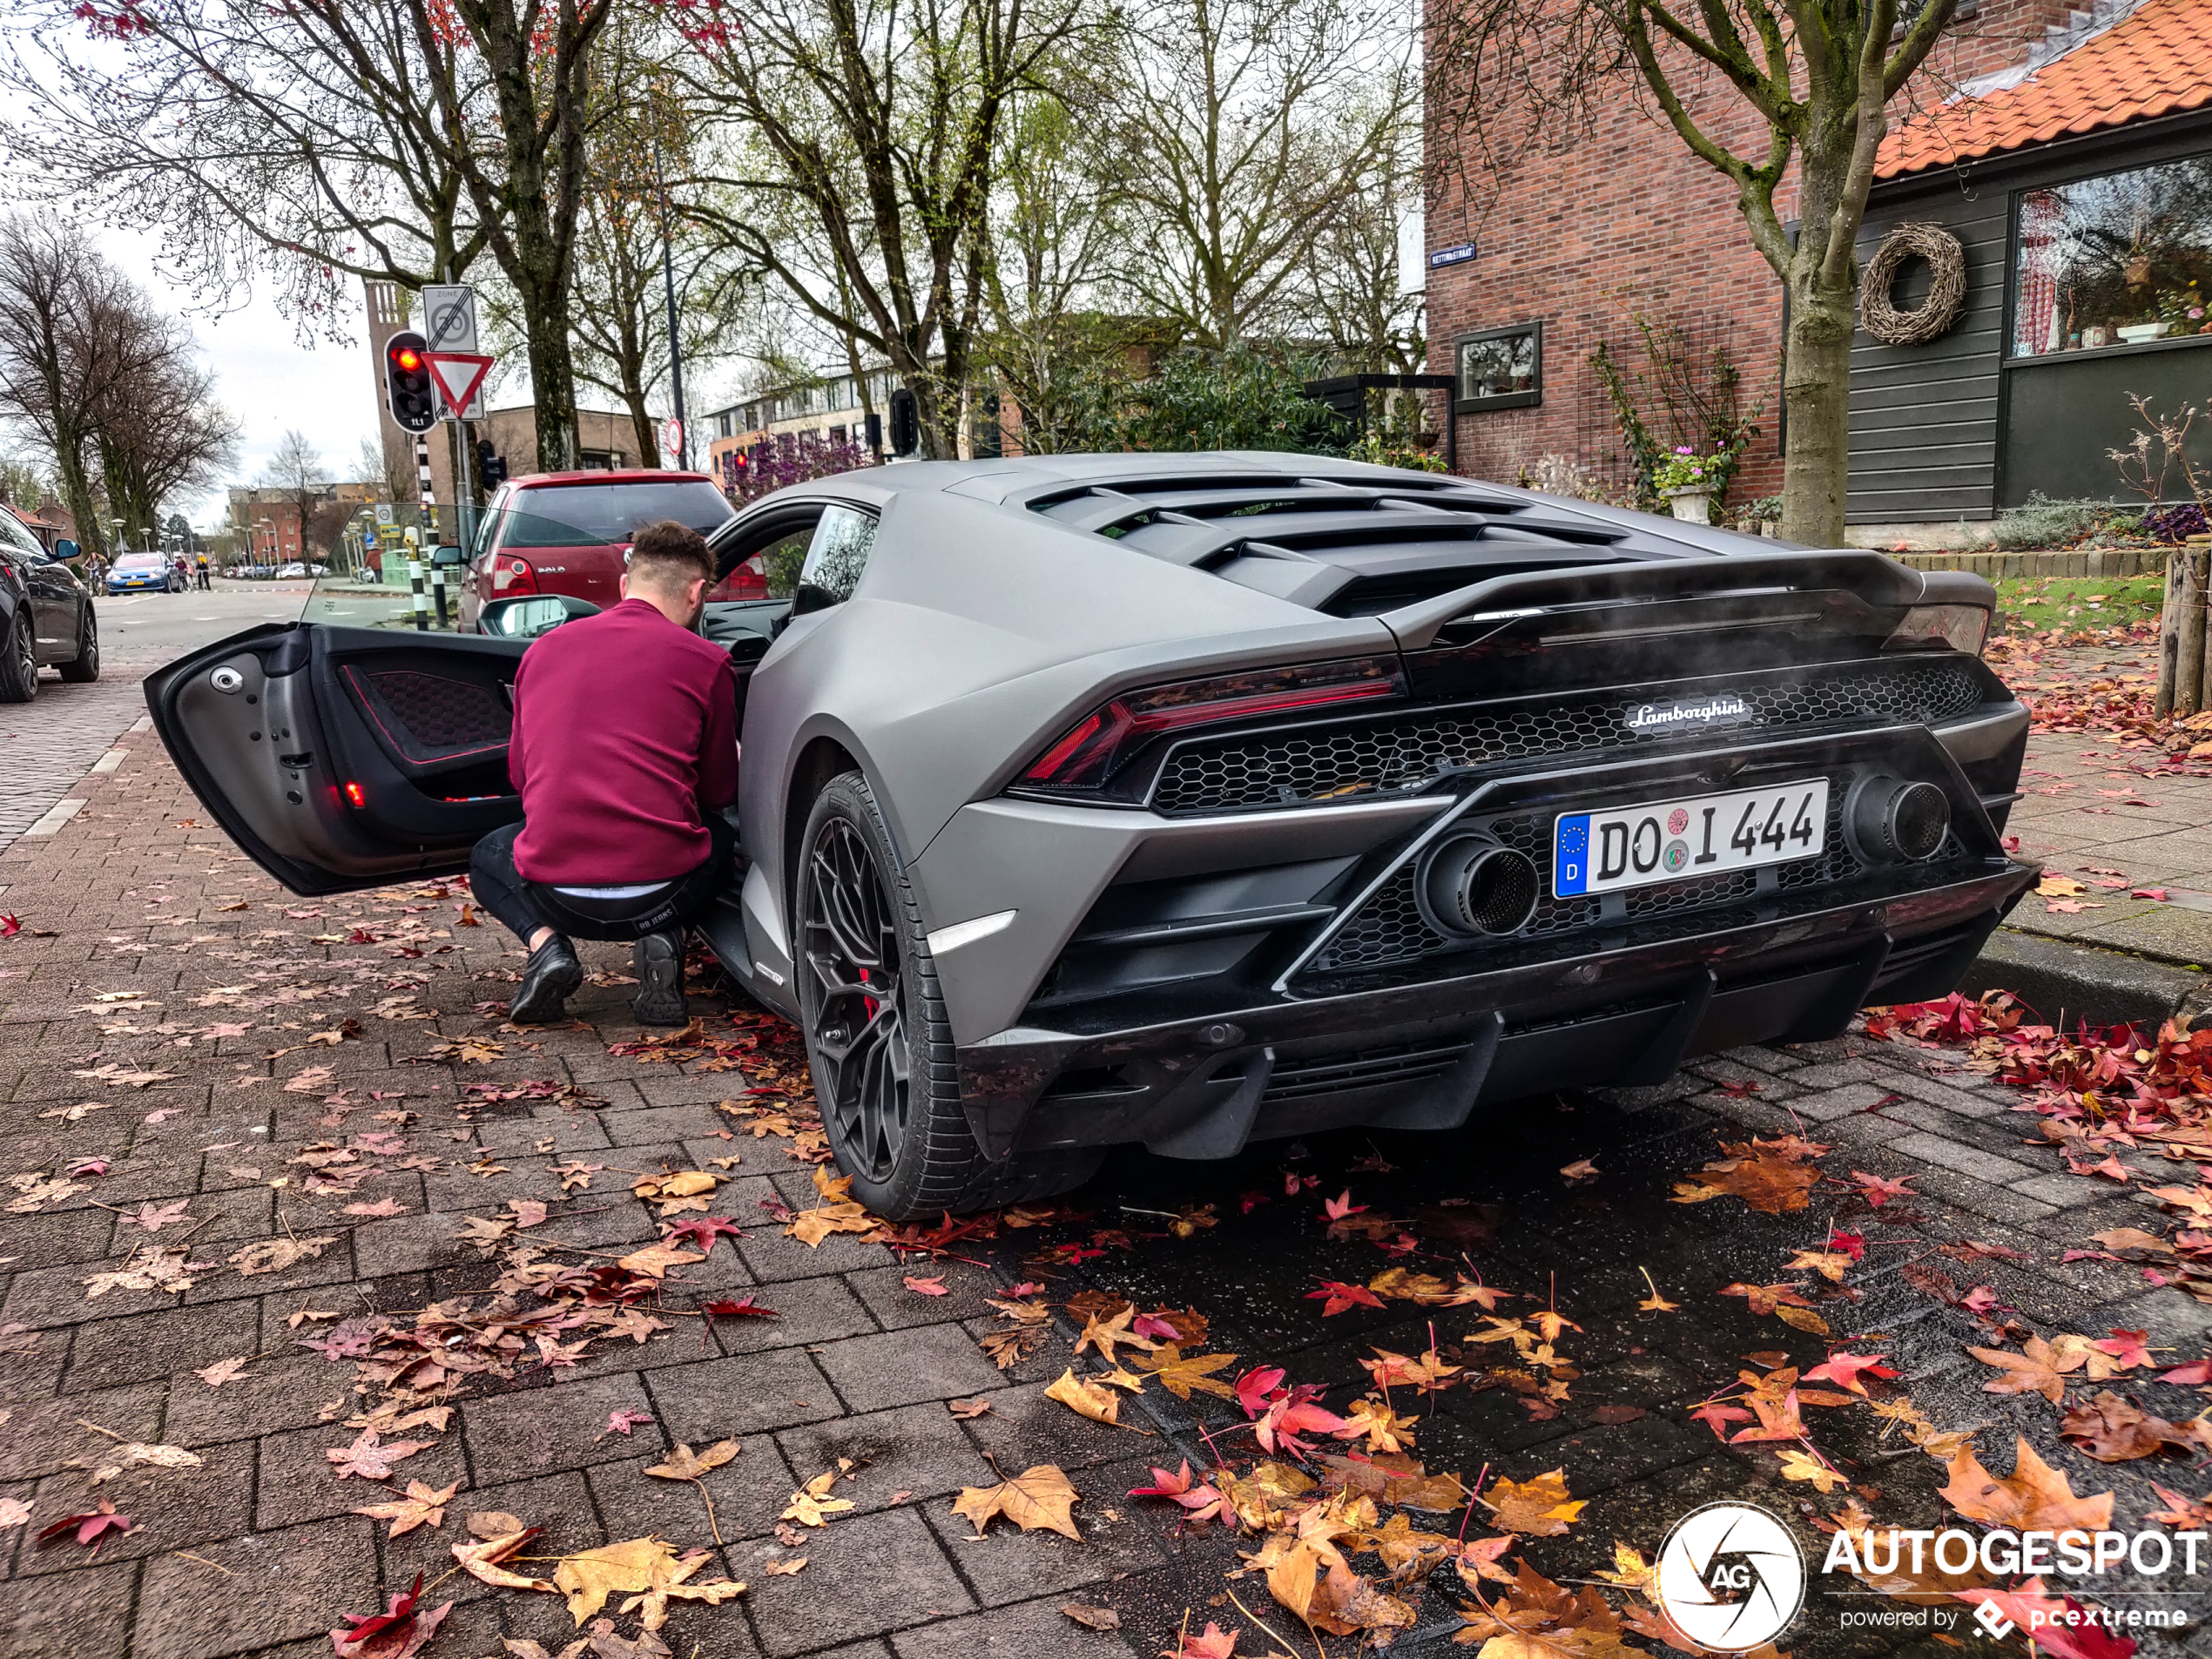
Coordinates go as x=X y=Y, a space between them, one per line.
x=1668 y=840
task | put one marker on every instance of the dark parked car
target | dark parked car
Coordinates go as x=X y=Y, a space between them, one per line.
x=568 y=533
x=45 y=614
x=1184 y=799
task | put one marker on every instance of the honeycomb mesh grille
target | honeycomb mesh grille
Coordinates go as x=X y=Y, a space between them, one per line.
x=1384 y=757
x=1389 y=927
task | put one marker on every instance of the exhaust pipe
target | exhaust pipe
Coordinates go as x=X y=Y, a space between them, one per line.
x=1470 y=885
x=1889 y=821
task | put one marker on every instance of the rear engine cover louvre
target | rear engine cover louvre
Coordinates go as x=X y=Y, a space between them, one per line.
x=1398 y=755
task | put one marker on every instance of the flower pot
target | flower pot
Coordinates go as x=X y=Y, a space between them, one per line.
x=1691 y=506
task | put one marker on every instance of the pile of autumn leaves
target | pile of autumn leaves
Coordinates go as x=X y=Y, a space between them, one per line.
x=2099 y=1092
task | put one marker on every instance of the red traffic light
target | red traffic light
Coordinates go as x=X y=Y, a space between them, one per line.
x=408 y=358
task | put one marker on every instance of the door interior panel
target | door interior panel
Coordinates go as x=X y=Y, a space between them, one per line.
x=418 y=726
x=343 y=758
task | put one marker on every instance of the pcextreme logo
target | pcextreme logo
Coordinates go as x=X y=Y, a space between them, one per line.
x=1730 y=1577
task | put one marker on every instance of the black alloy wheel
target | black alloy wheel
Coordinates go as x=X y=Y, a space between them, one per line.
x=849 y=942
x=19 y=666
x=83 y=668
x=879 y=1038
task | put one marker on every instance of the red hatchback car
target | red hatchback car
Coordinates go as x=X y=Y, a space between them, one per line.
x=570 y=532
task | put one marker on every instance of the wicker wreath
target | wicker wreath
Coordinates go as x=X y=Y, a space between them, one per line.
x=1938 y=311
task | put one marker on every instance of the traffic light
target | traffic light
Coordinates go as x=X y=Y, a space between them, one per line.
x=406 y=383
x=491 y=466
x=736 y=466
x=876 y=433
x=906 y=422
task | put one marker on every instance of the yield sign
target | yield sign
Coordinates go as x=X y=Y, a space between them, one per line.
x=459 y=375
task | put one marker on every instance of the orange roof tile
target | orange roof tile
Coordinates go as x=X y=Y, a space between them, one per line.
x=2155 y=62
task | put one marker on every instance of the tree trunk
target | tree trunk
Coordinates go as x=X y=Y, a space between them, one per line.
x=545 y=321
x=641 y=426
x=1816 y=392
x=2188 y=684
x=77 y=496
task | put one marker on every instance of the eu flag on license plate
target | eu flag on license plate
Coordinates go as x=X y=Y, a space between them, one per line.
x=1571 y=855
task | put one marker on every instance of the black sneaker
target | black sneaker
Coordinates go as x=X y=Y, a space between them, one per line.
x=657 y=962
x=551 y=975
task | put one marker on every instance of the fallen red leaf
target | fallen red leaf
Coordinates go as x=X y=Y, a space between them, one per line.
x=89 y=1526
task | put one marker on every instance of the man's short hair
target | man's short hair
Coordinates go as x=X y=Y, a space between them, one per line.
x=669 y=552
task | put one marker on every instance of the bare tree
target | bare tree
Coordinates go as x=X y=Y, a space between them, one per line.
x=295 y=472
x=1059 y=223
x=73 y=342
x=1814 y=79
x=1350 y=286
x=396 y=138
x=286 y=140
x=1245 y=123
x=871 y=128
x=163 y=435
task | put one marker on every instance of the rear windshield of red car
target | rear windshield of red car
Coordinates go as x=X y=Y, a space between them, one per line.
x=595 y=515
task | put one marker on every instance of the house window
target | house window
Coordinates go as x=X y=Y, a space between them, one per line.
x=2120 y=260
x=1499 y=368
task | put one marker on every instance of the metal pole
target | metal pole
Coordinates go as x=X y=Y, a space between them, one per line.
x=675 y=340
x=430 y=526
x=675 y=345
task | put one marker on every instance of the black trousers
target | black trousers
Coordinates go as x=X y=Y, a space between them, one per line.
x=526 y=906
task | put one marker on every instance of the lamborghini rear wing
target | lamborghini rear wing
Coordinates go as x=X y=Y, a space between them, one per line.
x=1844 y=592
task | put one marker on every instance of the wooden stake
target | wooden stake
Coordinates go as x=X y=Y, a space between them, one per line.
x=2169 y=638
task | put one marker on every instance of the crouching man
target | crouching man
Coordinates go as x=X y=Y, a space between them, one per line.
x=625 y=749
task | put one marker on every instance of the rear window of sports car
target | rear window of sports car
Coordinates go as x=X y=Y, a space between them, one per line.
x=591 y=514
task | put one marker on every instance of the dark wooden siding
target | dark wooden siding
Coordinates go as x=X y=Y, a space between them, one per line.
x=1923 y=419
x=1947 y=431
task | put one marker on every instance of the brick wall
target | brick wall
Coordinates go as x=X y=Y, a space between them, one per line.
x=1624 y=222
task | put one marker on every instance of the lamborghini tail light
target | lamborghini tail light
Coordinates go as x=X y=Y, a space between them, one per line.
x=1089 y=752
x=1961 y=628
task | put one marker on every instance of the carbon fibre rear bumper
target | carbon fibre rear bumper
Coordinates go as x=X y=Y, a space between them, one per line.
x=1422 y=1048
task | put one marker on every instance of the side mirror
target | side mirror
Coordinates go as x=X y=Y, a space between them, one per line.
x=529 y=615
x=65 y=550
x=446 y=554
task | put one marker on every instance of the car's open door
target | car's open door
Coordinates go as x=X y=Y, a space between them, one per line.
x=343 y=757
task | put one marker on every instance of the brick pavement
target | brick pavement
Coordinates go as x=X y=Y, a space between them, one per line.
x=256 y=1551
x=48 y=744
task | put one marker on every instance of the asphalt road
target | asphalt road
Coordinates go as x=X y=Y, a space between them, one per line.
x=143 y=630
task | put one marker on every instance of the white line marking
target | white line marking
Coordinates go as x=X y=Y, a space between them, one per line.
x=110 y=760
x=58 y=815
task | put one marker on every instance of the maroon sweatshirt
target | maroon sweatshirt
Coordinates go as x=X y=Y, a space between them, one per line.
x=625 y=731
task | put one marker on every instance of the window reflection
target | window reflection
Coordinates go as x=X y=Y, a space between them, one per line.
x=2118 y=261
x=1501 y=363
x=836 y=556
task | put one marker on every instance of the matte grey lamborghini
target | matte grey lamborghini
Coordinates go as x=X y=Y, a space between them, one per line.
x=1184 y=799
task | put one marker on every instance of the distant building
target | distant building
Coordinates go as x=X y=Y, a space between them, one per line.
x=831 y=408
x=50 y=522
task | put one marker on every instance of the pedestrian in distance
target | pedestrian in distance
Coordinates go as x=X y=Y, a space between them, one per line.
x=205 y=585
x=624 y=750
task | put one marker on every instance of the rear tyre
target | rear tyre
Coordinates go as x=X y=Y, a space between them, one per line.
x=18 y=663
x=83 y=668
x=878 y=1038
